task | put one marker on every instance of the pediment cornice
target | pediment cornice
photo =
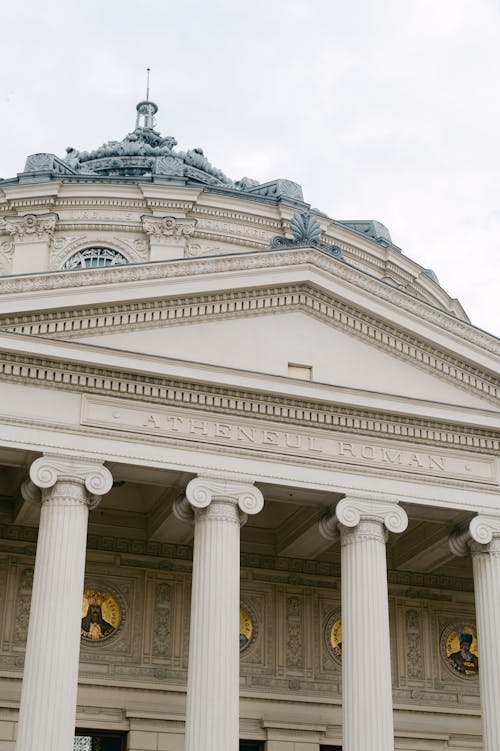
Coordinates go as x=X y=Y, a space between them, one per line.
x=143 y=273
x=159 y=313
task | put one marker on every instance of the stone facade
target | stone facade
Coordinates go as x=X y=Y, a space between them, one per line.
x=240 y=404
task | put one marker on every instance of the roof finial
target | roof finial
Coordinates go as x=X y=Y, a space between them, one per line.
x=146 y=109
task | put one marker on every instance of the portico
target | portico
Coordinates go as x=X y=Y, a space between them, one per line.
x=215 y=402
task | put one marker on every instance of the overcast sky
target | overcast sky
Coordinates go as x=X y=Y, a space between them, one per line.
x=380 y=109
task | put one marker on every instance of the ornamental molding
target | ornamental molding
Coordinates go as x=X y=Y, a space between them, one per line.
x=251 y=262
x=158 y=228
x=238 y=402
x=30 y=227
x=164 y=312
x=63 y=247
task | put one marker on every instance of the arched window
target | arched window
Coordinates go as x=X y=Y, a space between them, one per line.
x=92 y=258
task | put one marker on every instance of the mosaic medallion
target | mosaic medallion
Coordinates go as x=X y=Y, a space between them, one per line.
x=333 y=636
x=459 y=648
x=100 y=615
x=246 y=629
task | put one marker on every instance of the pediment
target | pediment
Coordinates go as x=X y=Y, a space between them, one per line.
x=269 y=343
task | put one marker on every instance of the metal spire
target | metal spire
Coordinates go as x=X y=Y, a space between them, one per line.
x=146 y=110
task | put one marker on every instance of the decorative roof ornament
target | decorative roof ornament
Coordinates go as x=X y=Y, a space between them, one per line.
x=306 y=231
x=146 y=155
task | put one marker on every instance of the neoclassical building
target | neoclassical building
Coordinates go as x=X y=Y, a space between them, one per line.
x=219 y=405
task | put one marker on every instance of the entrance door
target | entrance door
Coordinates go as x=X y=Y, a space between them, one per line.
x=251 y=746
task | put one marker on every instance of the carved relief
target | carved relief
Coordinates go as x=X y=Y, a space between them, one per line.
x=23 y=606
x=6 y=256
x=414 y=646
x=167 y=226
x=162 y=621
x=294 y=637
x=31 y=227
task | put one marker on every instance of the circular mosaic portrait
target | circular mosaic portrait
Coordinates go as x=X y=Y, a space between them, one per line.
x=459 y=647
x=333 y=636
x=100 y=615
x=246 y=629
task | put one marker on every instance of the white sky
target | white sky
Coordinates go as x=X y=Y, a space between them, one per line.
x=380 y=109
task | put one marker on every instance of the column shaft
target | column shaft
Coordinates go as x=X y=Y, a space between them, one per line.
x=48 y=700
x=366 y=661
x=212 y=714
x=486 y=567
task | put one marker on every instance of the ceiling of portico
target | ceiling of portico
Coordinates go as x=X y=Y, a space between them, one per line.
x=286 y=528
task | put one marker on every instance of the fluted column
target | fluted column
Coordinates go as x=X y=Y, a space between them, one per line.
x=366 y=652
x=66 y=488
x=212 y=711
x=482 y=540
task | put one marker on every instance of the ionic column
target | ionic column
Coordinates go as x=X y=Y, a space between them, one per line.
x=66 y=488
x=482 y=540
x=366 y=652
x=212 y=710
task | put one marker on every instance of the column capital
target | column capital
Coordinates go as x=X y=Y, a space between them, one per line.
x=202 y=491
x=49 y=469
x=350 y=511
x=482 y=532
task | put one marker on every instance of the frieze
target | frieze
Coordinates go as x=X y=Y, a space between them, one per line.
x=252 y=436
x=100 y=215
x=234 y=229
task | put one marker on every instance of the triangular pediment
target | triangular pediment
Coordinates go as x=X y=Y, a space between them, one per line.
x=270 y=343
x=353 y=331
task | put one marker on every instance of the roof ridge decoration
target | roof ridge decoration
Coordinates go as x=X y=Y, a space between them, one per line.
x=144 y=154
x=306 y=231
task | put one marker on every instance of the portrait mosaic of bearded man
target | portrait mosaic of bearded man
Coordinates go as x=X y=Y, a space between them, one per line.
x=100 y=615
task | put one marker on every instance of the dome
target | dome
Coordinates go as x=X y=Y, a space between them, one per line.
x=193 y=207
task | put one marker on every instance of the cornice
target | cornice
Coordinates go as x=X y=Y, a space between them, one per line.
x=94 y=320
x=244 y=403
x=250 y=262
